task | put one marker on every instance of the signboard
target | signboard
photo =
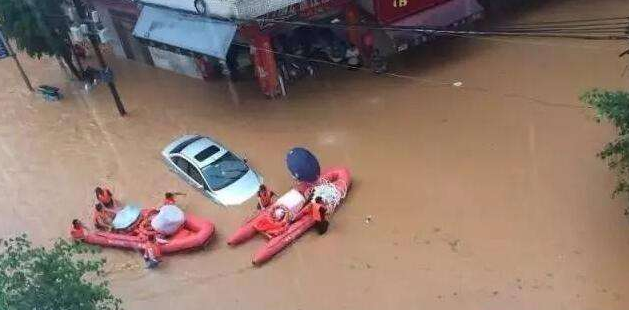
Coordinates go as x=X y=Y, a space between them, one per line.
x=391 y=10
x=4 y=50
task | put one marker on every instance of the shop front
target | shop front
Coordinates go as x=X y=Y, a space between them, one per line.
x=177 y=40
x=280 y=41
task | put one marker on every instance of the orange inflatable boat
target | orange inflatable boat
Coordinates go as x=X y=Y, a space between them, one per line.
x=332 y=185
x=193 y=234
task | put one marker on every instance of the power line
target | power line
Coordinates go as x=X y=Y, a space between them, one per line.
x=572 y=21
x=611 y=36
x=622 y=28
x=536 y=43
x=586 y=26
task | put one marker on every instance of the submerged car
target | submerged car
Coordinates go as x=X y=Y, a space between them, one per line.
x=208 y=166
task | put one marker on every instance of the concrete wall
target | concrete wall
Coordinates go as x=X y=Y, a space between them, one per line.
x=160 y=58
x=115 y=42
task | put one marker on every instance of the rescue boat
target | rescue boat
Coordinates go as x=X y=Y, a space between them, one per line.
x=332 y=186
x=195 y=233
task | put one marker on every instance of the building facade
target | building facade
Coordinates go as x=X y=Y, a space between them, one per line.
x=199 y=38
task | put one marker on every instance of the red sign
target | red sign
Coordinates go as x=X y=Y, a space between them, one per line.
x=391 y=10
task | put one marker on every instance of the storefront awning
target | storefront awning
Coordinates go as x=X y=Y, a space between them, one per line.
x=191 y=32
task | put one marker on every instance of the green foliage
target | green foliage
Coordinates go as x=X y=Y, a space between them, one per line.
x=613 y=106
x=39 y=27
x=64 y=277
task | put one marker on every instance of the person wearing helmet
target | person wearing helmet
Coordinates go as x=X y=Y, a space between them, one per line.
x=265 y=197
x=106 y=199
x=103 y=218
x=152 y=252
x=319 y=212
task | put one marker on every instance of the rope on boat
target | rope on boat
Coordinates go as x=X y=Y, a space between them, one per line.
x=330 y=194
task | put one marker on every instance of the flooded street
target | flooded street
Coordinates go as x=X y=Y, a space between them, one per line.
x=483 y=196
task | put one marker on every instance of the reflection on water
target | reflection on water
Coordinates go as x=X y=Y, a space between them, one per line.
x=484 y=194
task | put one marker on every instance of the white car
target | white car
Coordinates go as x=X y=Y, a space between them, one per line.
x=205 y=164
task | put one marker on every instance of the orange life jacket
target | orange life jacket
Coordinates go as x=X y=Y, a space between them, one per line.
x=152 y=250
x=100 y=218
x=77 y=232
x=106 y=199
x=265 y=198
x=316 y=211
x=144 y=226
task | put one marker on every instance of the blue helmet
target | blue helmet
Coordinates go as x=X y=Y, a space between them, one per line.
x=302 y=165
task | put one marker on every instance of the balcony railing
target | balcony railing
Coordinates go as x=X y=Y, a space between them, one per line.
x=238 y=9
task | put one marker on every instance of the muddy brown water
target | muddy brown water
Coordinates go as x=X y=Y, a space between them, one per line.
x=485 y=196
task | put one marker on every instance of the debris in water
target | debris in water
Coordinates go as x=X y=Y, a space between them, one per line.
x=457 y=84
x=368 y=219
x=454 y=245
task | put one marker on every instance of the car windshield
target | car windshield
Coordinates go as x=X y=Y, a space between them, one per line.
x=224 y=171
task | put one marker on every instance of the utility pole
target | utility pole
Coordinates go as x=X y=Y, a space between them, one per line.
x=111 y=84
x=99 y=55
x=9 y=51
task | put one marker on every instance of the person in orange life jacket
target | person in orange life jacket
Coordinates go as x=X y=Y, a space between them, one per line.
x=318 y=213
x=103 y=218
x=145 y=227
x=169 y=199
x=152 y=252
x=265 y=197
x=106 y=199
x=78 y=230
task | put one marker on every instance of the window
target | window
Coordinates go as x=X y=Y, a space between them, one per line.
x=196 y=175
x=224 y=171
x=184 y=144
x=181 y=163
x=189 y=169
x=205 y=154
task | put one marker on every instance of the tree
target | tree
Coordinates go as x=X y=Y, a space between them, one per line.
x=613 y=106
x=64 y=277
x=39 y=27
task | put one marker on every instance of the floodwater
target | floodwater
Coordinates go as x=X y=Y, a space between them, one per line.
x=484 y=196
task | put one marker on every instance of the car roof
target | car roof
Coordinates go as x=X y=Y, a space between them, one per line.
x=194 y=148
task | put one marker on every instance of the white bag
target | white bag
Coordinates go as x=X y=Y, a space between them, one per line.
x=168 y=220
x=293 y=201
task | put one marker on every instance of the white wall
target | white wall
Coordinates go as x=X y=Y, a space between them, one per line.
x=228 y=8
x=223 y=8
x=175 y=62
x=111 y=31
